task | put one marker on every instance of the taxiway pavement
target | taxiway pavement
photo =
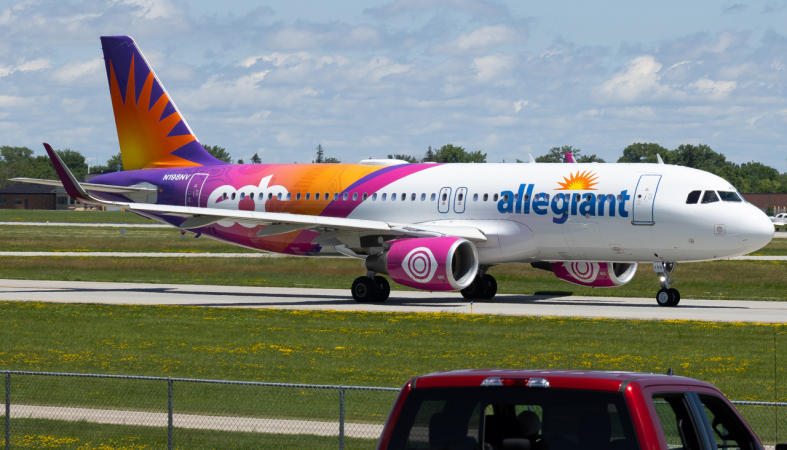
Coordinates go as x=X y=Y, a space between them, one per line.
x=400 y=301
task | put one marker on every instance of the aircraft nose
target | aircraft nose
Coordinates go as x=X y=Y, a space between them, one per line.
x=757 y=229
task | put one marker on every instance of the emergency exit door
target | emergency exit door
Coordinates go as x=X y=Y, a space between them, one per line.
x=194 y=189
x=645 y=199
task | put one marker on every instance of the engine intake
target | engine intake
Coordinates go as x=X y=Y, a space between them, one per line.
x=595 y=274
x=433 y=264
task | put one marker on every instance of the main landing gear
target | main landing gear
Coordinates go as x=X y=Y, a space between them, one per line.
x=371 y=289
x=666 y=296
x=484 y=286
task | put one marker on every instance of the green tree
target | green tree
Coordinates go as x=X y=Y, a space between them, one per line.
x=320 y=155
x=115 y=162
x=218 y=152
x=429 y=156
x=256 y=159
x=240 y=161
x=558 y=154
x=698 y=157
x=645 y=153
x=74 y=161
x=450 y=153
x=408 y=158
x=331 y=160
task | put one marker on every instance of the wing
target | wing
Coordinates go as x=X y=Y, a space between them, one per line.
x=275 y=223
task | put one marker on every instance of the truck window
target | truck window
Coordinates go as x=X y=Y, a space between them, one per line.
x=726 y=428
x=679 y=429
x=487 y=417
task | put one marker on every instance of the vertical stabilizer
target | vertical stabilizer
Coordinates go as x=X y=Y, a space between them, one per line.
x=151 y=131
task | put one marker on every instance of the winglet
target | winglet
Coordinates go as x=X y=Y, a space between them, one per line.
x=70 y=184
x=570 y=158
x=661 y=161
x=531 y=158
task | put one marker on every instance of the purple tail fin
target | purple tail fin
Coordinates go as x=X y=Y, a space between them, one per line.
x=151 y=131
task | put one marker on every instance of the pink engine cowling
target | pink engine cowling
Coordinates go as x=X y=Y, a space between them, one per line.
x=595 y=274
x=432 y=264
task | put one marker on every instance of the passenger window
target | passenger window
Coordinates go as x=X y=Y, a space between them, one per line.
x=278 y=196
x=495 y=198
x=433 y=196
x=317 y=196
x=475 y=197
x=327 y=196
x=486 y=197
x=679 y=430
x=393 y=196
x=308 y=195
x=423 y=197
x=412 y=197
x=526 y=198
x=728 y=430
x=505 y=197
x=693 y=198
x=384 y=195
x=404 y=197
x=289 y=196
x=344 y=196
x=298 y=196
x=355 y=196
x=335 y=196
x=729 y=196
x=365 y=196
x=225 y=196
x=242 y=195
x=270 y=195
x=262 y=196
x=374 y=197
x=233 y=196
x=710 y=197
x=546 y=197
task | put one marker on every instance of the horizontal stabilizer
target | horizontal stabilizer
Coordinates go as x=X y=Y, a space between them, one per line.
x=90 y=186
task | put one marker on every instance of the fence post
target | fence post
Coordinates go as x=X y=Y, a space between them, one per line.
x=7 y=410
x=341 y=418
x=169 y=413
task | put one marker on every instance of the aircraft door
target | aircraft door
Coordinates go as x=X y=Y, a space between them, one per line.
x=459 y=200
x=443 y=200
x=644 y=199
x=194 y=189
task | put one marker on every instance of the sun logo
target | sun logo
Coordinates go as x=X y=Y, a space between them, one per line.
x=579 y=182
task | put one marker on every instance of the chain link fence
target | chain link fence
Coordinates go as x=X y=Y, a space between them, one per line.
x=86 y=411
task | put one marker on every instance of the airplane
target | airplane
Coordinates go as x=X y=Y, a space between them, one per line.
x=429 y=226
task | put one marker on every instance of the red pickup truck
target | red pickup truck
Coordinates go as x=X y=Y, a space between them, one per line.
x=563 y=410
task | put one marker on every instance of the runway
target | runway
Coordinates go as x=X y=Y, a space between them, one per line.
x=400 y=301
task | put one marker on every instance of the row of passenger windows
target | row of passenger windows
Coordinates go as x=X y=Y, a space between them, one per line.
x=712 y=197
x=444 y=197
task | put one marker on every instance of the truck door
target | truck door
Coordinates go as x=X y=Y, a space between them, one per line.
x=194 y=189
x=644 y=199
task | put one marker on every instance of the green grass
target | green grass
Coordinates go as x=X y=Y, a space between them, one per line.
x=33 y=215
x=361 y=348
x=36 y=434
x=14 y=238
x=747 y=280
x=777 y=247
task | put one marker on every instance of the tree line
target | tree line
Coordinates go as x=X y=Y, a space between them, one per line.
x=751 y=177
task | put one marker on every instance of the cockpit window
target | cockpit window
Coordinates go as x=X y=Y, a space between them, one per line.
x=729 y=196
x=693 y=198
x=710 y=197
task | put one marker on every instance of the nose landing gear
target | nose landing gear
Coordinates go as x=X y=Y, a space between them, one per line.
x=666 y=296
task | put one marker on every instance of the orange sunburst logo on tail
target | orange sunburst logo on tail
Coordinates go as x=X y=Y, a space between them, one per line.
x=579 y=182
x=144 y=136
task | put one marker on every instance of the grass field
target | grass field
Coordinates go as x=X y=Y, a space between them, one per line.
x=32 y=215
x=749 y=280
x=52 y=434
x=362 y=348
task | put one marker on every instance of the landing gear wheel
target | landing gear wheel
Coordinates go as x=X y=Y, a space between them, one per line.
x=384 y=289
x=364 y=290
x=675 y=297
x=664 y=297
x=476 y=290
x=491 y=289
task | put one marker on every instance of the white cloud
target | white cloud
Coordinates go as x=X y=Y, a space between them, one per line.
x=481 y=39
x=519 y=105
x=25 y=66
x=493 y=66
x=713 y=89
x=74 y=71
x=639 y=79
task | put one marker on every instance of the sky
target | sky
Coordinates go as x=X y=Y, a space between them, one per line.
x=372 y=78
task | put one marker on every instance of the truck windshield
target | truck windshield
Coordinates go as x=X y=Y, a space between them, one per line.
x=483 y=418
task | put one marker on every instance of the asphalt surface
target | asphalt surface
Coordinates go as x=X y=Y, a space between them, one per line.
x=400 y=301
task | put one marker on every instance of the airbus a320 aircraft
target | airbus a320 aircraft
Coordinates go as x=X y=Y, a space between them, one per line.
x=436 y=227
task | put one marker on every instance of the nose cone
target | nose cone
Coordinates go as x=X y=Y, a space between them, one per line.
x=756 y=230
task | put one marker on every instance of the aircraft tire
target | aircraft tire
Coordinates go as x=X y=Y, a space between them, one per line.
x=664 y=297
x=675 y=297
x=364 y=290
x=476 y=290
x=384 y=289
x=491 y=289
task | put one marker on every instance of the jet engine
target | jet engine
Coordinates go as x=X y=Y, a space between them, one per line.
x=432 y=264
x=595 y=274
